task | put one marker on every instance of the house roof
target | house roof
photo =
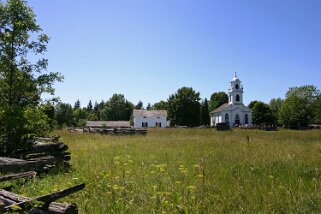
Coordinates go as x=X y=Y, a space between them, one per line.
x=221 y=107
x=107 y=124
x=150 y=113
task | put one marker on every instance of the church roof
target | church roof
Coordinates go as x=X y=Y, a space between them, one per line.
x=221 y=107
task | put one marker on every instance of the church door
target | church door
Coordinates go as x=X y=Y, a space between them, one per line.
x=237 y=119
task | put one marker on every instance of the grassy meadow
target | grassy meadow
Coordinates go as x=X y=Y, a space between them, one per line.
x=190 y=171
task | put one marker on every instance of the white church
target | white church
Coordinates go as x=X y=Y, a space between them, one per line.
x=234 y=112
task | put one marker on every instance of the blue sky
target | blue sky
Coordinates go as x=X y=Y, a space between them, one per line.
x=147 y=49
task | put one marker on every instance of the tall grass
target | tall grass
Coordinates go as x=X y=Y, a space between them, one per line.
x=191 y=170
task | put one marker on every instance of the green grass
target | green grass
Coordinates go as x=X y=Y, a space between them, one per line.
x=191 y=170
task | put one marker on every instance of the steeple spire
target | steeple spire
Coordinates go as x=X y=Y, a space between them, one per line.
x=235 y=74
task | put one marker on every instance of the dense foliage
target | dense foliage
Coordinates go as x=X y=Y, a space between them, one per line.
x=161 y=105
x=115 y=109
x=22 y=81
x=205 y=115
x=217 y=99
x=275 y=105
x=262 y=113
x=184 y=107
x=299 y=107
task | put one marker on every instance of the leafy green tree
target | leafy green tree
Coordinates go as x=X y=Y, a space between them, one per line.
x=205 y=116
x=49 y=110
x=262 y=113
x=275 y=105
x=63 y=115
x=217 y=99
x=298 y=109
x=92 y=116
x=308 y=92
x=184 y=107
x=294 y=113
x=252 y=103
x=79 y=116
x=161 y=105
x=21 y=81
x=117 y=108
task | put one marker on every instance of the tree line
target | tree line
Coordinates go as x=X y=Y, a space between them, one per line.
x=300 y=107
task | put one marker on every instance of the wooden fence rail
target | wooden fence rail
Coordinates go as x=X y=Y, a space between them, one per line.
x=10 y=201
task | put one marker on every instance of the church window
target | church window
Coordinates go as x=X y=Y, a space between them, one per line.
x=237 y=119
x=246 y=119
x=226 y=118
x=237 y=98
x=237 y=86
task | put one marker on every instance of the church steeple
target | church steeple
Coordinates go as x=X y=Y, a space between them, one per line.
x=236 y=91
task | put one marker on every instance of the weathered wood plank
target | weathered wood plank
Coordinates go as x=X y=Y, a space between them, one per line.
x=30 y=174
x=47 y=199
x=18 y=165
x=47 y=148
x=53 y=208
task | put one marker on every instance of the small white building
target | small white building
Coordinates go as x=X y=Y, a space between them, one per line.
x=150 y=118
x=234 y=112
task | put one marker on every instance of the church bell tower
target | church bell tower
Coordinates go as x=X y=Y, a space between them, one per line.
x=235 y=91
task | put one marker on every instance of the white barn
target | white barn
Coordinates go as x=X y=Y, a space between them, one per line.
x=150 y=118
x=234 y=112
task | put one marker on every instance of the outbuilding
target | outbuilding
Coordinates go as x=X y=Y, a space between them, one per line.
x=150 y=118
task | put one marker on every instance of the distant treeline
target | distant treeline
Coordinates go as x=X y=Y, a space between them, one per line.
x=300 y=107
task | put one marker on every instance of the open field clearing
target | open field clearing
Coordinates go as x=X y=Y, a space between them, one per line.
x=191 y=170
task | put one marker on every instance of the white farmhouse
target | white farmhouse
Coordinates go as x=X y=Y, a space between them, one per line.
x=234 y=112
x=150 y=118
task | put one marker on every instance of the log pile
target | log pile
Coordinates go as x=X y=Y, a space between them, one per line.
x=117 y=131
x=44 y=154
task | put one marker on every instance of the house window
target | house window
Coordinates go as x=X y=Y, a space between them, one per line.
x=158 y=124
x=158 y=117
x=144 y=124
x=237 y=98
x=144 y=117
x=237 y=86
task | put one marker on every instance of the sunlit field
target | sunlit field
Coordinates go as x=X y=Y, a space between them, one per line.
x=190 y=171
